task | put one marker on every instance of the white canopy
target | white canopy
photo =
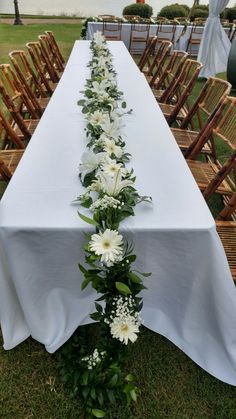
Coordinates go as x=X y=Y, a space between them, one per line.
x=215 y=45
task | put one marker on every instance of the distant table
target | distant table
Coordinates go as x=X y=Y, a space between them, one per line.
x=179 y=42
x=126 y=28
x=190 y=297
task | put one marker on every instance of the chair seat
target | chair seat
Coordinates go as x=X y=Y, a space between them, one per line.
x=43 y=101
x=158 y=93
x=31 y=125
x=168 y=109
x=184 y=138
x=9 y=160
x=204 y=173
x=227 y=233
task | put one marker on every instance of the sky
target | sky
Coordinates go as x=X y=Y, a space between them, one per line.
x=85 y=7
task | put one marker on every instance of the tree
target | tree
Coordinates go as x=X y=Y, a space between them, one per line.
x=18 y=20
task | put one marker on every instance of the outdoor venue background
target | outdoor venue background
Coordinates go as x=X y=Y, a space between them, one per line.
x=84 y=7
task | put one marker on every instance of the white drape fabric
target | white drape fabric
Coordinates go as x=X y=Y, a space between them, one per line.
x=215 y=45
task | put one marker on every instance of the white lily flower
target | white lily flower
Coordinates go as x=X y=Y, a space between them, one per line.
x=99 y=88
x=98 y=38
x=90 y=162
x=97 y=118
x=112 y=129
x=113 y=185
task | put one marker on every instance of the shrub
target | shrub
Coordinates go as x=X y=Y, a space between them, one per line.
x=230 y=14
x=172 y=11
x=142 y=10
x=186 y=7
x=199 y=13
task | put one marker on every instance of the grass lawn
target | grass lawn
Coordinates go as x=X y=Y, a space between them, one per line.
x=172 y=386
x=15 y=37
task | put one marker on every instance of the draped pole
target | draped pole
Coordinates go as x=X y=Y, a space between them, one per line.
x=18 y=20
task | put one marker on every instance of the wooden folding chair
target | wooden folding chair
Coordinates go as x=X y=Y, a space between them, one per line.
x=199 y=116
x=41 y=66
x=138 y=37
x=17 y=101
x=148 y=54
x=226 y=228
x=11 y=135
x=176 y=105
x=9 y=160
x=48 y=52
x=166 y=32
x=159 y=59
x=132 y=18
x=169 y=73
x=29 y=80
x=111 y=30
x=50 y=59
x=195 y=37
x=56 y=49
x=218 y=175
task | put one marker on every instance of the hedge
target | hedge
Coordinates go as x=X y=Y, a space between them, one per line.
x=174 y=10
x=142 y=10
x=230 y=13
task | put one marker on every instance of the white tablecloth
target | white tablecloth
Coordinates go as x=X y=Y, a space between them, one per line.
x=191 y=298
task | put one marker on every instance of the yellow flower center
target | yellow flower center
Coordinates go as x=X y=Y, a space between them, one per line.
x=124 y=327
x=106 y=244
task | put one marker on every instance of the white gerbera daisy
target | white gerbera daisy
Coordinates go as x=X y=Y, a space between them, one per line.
x=111 y=167
x=108 y=245
x=111 y=148
x=124 y=329
x=97 y=118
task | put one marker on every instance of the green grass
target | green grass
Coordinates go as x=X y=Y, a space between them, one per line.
x=15 y=37
x=172 y=386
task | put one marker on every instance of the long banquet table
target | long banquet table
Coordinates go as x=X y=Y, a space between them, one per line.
x=190 y=299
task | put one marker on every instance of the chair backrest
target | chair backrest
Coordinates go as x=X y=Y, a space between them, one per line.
x=163 y=49
x=166 y=79
x=27 y=78
x=222 y=127
x=139 y=35
x=148 y=53
x=212 y=94
x=112 y=30
x=55 y=47
x=166 y=31
x=39 y=64
x=49 y=58
x=15 y=98
x=8 y=133
x=182 y=82
x=26 y=73
x=183 y=87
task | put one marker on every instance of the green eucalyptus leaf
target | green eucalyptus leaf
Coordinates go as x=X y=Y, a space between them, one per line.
x=93 y=394
x=133 y=395
x=110 y=394
x=134 y=278
x=98 y=413
x=85 y=378
x=123 y=105
x=82 y=269
x=99 y=308
x=113 y=380
x=85 y=282
x=121 y=287
x=87 y=219
x=129 y=377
